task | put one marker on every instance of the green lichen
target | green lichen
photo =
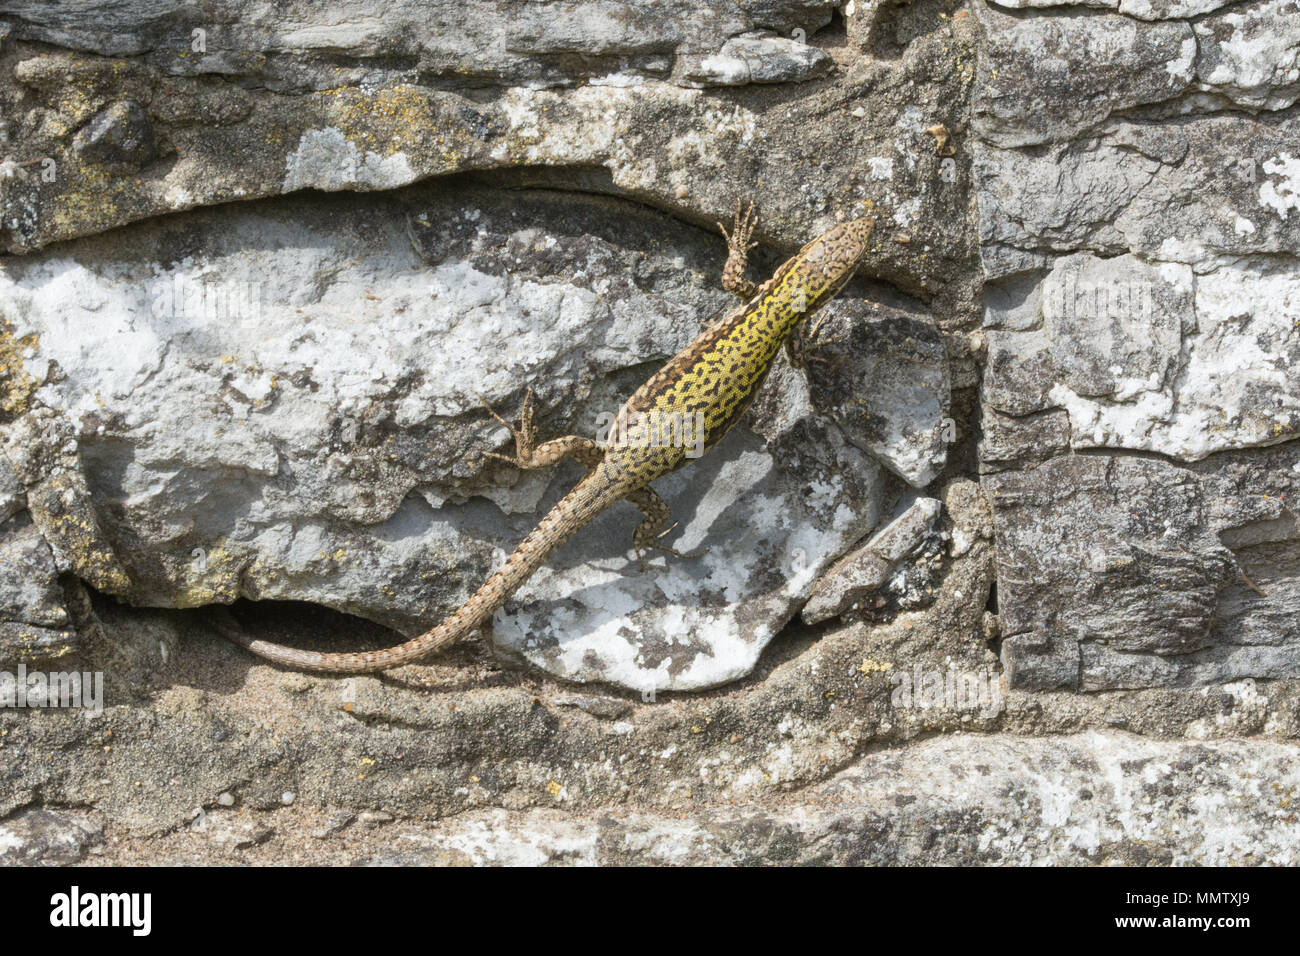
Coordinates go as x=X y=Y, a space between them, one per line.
x=97 y=202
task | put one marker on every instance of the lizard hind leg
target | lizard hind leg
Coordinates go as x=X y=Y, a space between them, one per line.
x=529 y=454
x=802 y=347
x=651 y=529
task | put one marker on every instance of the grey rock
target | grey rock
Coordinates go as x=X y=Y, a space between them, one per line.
x=42 y=448
x=582 y=99
x=228 y=830
x=494 y=41
x=1205 y=191
x=1170 y=9
x=881 y=372
x=1053 y=78
x=1085 y=799
x=1112 y=574
x=48 y=838
x=1143 y=268
x=861 y=572
x=1024 y=439
x=1250 y=56
x=758 y=59
x=1046 y=79
x=971 y=516
x=1153 y=358
x=29 y=644
x=118 y=136
x=29 y=588
x=1142 y=9
x=335 y=823
x=13 y=497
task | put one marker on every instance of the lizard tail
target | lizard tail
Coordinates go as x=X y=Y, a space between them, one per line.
x=587 y=499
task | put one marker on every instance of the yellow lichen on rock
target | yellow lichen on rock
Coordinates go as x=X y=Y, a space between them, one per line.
x=16 y=386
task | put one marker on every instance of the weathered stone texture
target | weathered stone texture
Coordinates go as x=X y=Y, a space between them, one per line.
x=1142 y=254
x=258 y=262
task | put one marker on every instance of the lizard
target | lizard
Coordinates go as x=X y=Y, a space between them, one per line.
x=711 y=382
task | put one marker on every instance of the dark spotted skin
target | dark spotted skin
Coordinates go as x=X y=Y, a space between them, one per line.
x=716 y=376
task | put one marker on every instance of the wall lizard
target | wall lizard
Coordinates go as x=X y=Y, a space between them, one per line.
x=713 y=380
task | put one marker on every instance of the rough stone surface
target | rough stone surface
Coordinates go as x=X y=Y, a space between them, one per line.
x=1093 y=799
x=1153 y=357
x=257 y=262
x=48 y=838
x=1142 y=308
x=759 y=59
x=863 y=571
x=231 y=455
x=881 y=372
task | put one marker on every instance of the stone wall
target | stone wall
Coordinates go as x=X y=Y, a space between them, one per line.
x=258 y=265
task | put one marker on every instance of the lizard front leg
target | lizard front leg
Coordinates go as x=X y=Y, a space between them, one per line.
x=529 y=455
x=739 y=242
x=647 y=533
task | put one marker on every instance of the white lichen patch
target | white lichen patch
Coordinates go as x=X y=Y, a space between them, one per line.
x=686 y=624
x=326 y=159
x=1176 y=363
x=1281 y=195
x=1252 y=55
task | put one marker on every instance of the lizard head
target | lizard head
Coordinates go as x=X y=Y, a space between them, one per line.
x=829 y=261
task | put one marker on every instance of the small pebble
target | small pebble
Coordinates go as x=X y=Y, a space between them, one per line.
x=227 y=799
x=295 y=684
x=335 y=823
x=288 y=797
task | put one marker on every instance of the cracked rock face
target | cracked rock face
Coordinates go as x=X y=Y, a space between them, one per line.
x=247 y=431
x=1153 y=357
x=1143 y=258
x=277 y=399
x=258 y=263
x=46 y=838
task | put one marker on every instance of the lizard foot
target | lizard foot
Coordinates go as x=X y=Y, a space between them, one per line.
x=739 y=241
x=802 y=347
x=653 y=545
x=530 y=455
x=525 y=435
